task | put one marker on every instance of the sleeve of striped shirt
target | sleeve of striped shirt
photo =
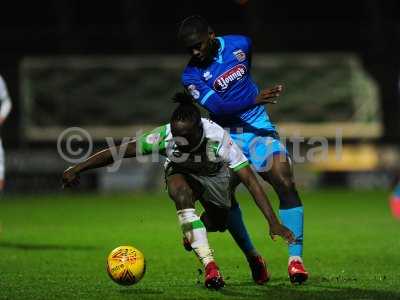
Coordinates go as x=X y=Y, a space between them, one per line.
x=153 y=141
x=231 y=153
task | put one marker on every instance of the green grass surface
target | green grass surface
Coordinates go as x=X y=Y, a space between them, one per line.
x=55 y=247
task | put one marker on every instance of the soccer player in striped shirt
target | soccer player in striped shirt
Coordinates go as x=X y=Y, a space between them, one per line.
x=202 y=164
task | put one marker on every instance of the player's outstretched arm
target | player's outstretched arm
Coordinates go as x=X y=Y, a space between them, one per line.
x=210 y=100
x=99 y=159
x=249 y=179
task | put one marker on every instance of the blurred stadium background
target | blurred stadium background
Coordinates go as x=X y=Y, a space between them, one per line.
x=111 y=69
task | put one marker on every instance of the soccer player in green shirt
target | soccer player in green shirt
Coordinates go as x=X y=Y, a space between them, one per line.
x=203 y=163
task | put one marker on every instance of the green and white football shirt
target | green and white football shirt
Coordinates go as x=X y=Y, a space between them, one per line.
x=215 y=149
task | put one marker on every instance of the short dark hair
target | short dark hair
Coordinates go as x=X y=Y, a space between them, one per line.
x=186 y=110
x=193 y=29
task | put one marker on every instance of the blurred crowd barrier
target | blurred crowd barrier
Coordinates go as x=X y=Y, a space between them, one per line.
x=364 y=166
x=115 y=92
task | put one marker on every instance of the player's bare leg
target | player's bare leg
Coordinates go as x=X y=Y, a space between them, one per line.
x=194 y=229
x=217 y=218
x=280 y=176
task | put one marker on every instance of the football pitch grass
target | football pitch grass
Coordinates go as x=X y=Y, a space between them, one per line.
x=55 y=247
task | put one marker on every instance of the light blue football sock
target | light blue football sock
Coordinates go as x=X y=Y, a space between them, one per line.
x=238 y=230
x=293 y=219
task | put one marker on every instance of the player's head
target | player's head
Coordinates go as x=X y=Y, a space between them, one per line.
x=198 y=38
x=186 y=125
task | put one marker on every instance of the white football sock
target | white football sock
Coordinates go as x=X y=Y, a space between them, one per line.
x=196 y=233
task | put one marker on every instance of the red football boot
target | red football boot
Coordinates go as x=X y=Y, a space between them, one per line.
x=395 y=206
x=297 y=273
x=213 y=278
x=259 y=269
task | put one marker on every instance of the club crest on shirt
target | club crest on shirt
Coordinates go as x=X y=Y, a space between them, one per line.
x=229 y=77
x=240 y=55
x=207 y=75
x=153 y=138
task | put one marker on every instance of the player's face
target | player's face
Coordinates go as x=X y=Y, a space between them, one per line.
x=202 y=50
x=186 y=135
x=199 y=50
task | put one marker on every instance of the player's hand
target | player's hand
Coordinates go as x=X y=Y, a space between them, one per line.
x=283 y=232
x=269 y=95
x=70 y=178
